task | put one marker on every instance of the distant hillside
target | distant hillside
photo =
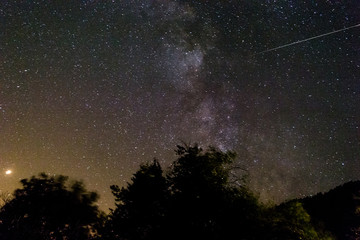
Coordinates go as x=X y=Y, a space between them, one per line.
x=338 y=210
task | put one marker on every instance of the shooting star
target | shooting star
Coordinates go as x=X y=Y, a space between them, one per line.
x=308 y=39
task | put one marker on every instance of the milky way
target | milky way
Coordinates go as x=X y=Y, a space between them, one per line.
x=91 y=89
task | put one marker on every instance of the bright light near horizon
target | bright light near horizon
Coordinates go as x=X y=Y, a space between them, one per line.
x=8 y=172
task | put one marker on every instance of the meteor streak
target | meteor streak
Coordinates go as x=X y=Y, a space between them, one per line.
x=307 y=39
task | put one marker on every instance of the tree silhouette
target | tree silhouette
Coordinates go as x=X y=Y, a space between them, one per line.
x=196 y=199
x=140 y=207
x=49 y=208
x=197 y=171
x=204 y=203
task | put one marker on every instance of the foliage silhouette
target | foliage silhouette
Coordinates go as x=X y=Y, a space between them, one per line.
x=196 y=200
x=140 y=207
x=49 y=208
x=290 y=221
x=202 y=199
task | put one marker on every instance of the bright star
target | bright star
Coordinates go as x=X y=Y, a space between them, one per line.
x=8 y=172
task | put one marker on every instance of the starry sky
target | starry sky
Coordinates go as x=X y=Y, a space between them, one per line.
x=91 y=89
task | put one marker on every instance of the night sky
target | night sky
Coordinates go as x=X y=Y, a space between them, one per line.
x=91 y=89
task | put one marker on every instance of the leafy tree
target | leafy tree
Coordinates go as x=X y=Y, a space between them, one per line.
x=291 y=221
x=197 y=171
x=49 y=208
x=140 y=207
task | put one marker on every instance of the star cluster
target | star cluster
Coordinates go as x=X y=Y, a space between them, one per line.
x=91 y=89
